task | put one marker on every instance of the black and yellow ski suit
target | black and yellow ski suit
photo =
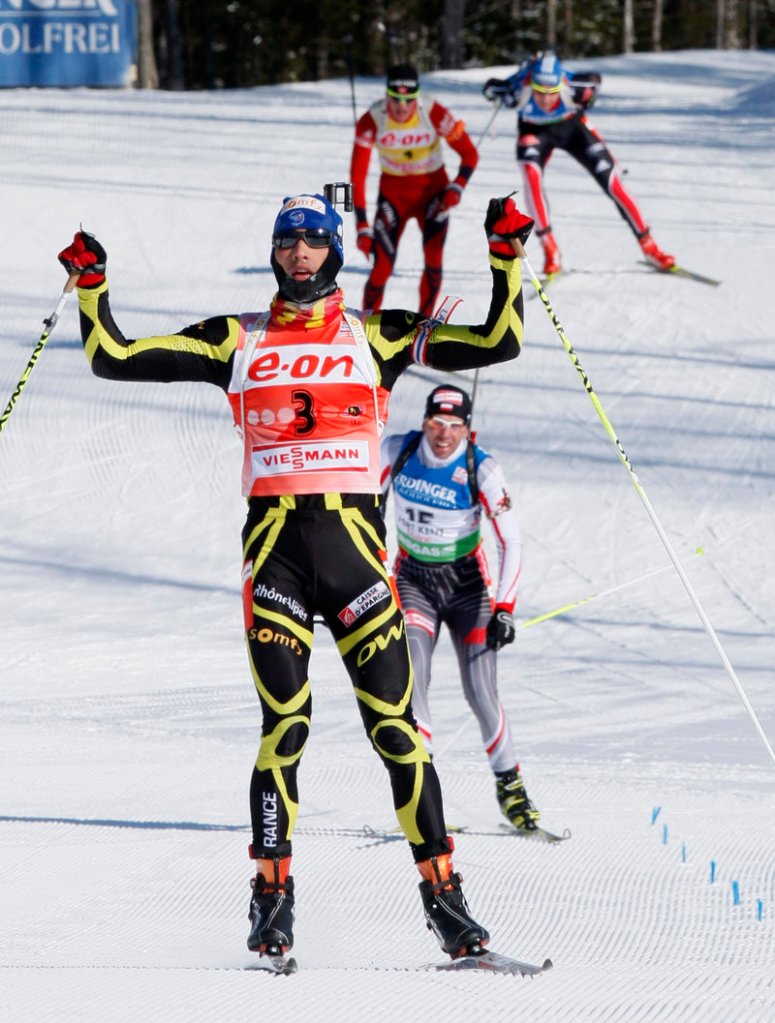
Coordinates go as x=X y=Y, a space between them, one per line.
x=323 y=552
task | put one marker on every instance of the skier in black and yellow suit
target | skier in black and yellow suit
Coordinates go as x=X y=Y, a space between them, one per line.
x=308 y=383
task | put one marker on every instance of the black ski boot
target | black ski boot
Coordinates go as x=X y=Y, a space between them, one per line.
x=446 y=910
x=271 y=908
x=513 y=800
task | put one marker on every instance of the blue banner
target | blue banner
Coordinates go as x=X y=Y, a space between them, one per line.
x=67 y=42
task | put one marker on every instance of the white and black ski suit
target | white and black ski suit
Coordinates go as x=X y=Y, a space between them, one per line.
x=442 y=575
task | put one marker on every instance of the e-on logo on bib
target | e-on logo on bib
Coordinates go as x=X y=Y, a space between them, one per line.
x=410 y=139
x=376 y=593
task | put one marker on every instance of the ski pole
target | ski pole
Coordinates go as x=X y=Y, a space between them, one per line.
x=520 y=251
x=596 y=596
x=493 y=115
x=473 y=391
x=48 y=325
x=348 y=41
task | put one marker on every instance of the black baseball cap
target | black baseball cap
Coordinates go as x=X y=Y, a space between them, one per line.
x=448 y=400
x=403 y=82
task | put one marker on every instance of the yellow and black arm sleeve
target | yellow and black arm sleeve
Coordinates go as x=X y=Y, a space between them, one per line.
x=399 y=338
x=204 y=351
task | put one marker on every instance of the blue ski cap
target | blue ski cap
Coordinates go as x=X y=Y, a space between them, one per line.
x=546 y=74
x=303 y=212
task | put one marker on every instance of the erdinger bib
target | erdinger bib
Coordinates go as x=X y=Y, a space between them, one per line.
x=308 y=408
x=435 y=520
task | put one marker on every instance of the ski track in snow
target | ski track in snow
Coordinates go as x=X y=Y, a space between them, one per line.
x=128 y=724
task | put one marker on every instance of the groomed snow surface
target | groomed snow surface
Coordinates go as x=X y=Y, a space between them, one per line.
x=128 y=722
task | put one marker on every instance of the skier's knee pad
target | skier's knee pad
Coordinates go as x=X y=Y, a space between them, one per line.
x=398 y=740
x=284 y=745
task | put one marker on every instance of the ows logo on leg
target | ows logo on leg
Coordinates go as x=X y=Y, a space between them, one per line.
x=368 y=650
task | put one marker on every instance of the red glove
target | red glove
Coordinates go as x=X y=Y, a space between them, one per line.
x=85 y=257
x=438 y=208
x=504 y=222
x=453 y=195
x=365 y=240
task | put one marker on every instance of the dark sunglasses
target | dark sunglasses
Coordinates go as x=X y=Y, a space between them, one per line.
x=315 y=237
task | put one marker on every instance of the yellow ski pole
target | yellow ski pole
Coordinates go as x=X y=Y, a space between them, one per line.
x=596 y=596
x=48 y=328
x=520 y=251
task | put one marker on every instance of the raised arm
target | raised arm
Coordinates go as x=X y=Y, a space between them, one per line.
x=499 y=339
x=203 y=351
x=399 y=337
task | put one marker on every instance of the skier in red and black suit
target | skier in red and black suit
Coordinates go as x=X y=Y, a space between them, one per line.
x=413 y=184
x=308 y=382
x=551 y=107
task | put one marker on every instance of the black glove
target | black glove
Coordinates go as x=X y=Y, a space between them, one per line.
x=500 y=629
x=501 y=90
x=504 y=222
x=585 y=86
x=85 y=257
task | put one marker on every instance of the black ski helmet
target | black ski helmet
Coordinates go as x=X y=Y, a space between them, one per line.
x=402 y=82
x=449 y=400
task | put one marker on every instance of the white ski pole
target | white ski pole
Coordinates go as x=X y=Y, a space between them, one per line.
x=493 y=115
x=519 y=249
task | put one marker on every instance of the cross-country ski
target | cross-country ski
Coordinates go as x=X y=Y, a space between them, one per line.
x=680 y=271
x=278 y=964
x=493 y=962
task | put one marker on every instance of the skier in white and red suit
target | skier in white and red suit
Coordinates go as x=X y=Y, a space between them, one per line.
x=444 y=485
x=414 y=182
